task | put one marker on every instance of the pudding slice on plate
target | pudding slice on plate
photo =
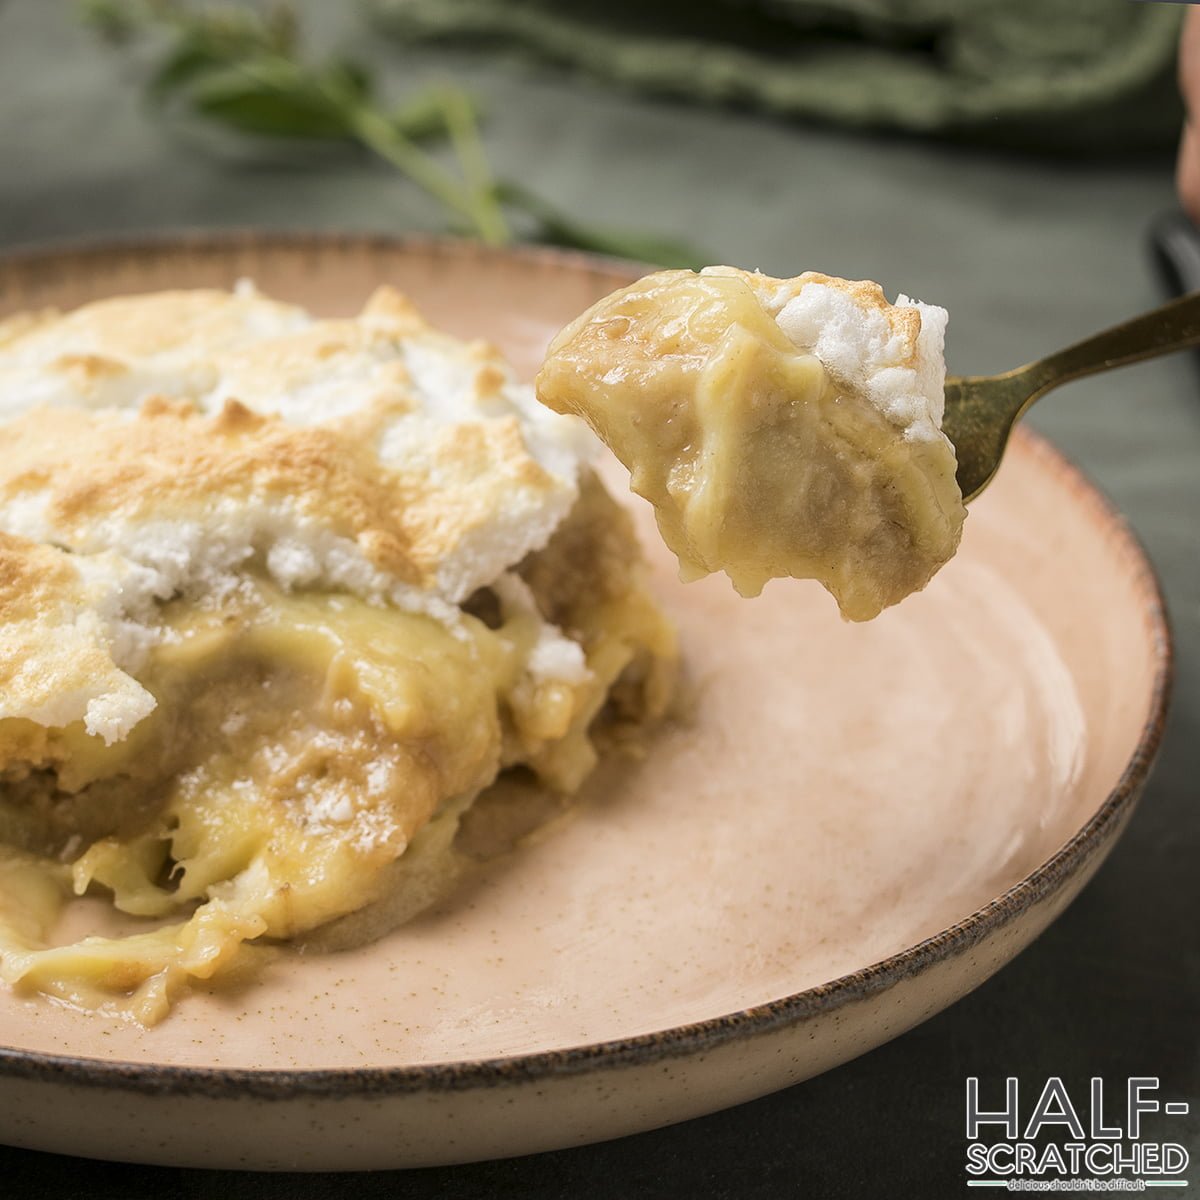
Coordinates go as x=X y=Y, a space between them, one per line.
x=280 y=600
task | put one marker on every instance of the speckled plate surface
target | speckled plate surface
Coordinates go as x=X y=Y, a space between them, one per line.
x=858 y=825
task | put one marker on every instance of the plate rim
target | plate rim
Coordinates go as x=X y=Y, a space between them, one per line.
x=160 y=1079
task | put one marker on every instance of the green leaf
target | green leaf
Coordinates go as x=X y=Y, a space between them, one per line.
x=348 y=79
x=185 y=63
x=423 y=118
x=268 y=103
x=554 y=228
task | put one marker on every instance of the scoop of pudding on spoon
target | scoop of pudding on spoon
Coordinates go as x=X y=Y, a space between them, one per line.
x=804 y=427
x=778 y=427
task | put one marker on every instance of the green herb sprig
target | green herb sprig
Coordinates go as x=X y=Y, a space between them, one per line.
x=243 y=69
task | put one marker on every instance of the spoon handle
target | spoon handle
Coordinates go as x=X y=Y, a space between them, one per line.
x=1174 y=326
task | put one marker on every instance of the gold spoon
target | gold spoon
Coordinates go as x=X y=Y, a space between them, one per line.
x=982 y=409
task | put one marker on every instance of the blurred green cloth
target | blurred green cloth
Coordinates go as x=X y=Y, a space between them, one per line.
x=1085 y=76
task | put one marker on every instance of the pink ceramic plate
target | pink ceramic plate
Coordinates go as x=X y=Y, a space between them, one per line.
x=860 y=824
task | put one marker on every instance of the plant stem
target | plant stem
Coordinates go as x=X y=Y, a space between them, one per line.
x=464 y=133
x=378 y=134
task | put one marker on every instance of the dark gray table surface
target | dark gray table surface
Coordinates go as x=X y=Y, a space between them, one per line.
x=1027 y=256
